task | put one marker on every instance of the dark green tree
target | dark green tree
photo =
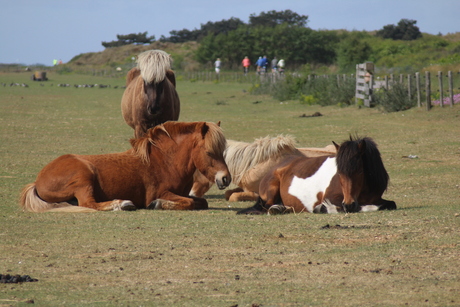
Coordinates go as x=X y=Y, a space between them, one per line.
x=223 y=26
x=405 y=30
x=128 y=39
x=273 y=18
x=353 y=49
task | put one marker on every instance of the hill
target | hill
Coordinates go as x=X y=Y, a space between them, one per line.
x=123 y=56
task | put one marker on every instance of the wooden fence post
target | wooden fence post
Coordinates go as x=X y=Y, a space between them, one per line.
x=417 y=85
x=363 y=78
x=441 y=93
x=409 y=86
x=428 y=90
x=451 y=88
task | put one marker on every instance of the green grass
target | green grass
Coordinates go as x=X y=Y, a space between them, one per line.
x=214 y=257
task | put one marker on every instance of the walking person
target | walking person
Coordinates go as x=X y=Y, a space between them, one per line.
x=281 y=65
x=246 y=63
x=274 y=65
x=217 y=64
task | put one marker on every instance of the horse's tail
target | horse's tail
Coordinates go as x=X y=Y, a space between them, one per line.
x=30 y=201
x=153 y=65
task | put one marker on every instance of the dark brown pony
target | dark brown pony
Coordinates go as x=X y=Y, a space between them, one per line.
x=351 y=181
x=157 y=173
x=150 y=97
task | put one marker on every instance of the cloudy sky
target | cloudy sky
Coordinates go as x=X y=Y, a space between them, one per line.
x=34 y=32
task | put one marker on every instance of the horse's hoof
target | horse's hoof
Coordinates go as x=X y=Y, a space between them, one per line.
x=127 y=205
x=156 y=204
x=279 y=209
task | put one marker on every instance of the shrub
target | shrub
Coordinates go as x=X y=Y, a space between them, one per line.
x=394 y=99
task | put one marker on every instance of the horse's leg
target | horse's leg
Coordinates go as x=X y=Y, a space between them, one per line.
x=243 y=196
x=257 y=209
x=138 y=131
x=229 y=193
x=201 y=184
x=86 y=199
x=387 y=205
x=171 y=201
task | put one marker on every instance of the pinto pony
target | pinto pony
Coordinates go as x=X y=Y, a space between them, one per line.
x=351 y=181
x=150 y=97
x=156 y=173
x=250 y=162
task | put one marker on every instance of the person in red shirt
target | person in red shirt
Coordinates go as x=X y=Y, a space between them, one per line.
x=246 y=63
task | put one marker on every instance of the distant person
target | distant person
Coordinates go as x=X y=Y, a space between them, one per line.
x=217 y=64
x=246 y=63
x=274 y=64
x=262 y=64
x=60 y=62
x=259 y=64
x=281 y=65
x=55 y=62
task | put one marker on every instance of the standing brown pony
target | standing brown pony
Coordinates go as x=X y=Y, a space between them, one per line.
x=150 y=97
x=157 y=173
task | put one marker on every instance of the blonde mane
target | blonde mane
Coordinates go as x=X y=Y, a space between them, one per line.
x=153 y=65
x=215 y=142
x=241 y=156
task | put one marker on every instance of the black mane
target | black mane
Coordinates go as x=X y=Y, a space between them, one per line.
x=361 y=154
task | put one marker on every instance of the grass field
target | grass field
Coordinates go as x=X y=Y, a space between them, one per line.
x=407 y=257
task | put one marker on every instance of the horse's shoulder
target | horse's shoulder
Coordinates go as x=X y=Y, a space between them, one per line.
x=132 y=74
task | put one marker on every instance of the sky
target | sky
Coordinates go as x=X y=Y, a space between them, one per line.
x=36 y=32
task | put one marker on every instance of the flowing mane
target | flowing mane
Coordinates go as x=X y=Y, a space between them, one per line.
x=348 y=162
x=242 y=156
x=153 y=65
x=215 y=142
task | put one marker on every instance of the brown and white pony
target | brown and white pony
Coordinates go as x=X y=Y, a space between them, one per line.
x=150 y=97
x=249 y=163
x=351 y=181
x=156 y=173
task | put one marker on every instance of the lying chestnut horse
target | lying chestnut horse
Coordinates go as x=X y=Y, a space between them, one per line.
x=157 y=173
x=351 y=181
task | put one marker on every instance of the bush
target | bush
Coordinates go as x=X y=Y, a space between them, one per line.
x=330 y=91
x=319 y=90
x=394 y=99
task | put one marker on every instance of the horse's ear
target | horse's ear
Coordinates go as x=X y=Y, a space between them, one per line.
x=362 y=146
x=204 y=129
x=337 y=146
x=218 y=123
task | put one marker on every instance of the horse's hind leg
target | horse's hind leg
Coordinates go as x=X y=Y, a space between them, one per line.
x=86 y=199
x=387 y=205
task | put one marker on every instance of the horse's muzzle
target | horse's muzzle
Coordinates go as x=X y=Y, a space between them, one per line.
x=223 y=181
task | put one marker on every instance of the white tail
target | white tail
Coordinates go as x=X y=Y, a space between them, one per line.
x=29 y=201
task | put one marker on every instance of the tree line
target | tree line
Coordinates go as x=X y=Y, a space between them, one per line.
x=281 y=34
